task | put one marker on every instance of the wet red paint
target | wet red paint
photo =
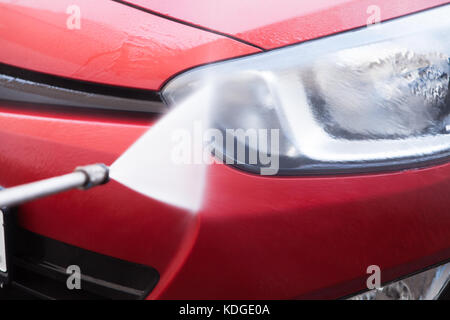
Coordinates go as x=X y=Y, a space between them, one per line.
x=256 y=237
x=275 y=23
x=116 y=44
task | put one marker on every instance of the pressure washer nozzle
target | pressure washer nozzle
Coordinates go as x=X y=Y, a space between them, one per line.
x=96 y=174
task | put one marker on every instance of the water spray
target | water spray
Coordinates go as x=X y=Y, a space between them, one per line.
x=146 y=167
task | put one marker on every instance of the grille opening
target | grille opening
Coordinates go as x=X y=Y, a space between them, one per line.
x=39 y=271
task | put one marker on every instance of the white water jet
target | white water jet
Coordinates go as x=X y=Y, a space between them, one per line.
x=148 y=167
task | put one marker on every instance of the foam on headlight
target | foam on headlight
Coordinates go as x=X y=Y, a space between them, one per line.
x=380 y=91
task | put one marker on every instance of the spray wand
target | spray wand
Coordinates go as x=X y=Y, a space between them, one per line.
x=83 y=178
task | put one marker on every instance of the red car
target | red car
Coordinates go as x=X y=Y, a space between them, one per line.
x=358 y=202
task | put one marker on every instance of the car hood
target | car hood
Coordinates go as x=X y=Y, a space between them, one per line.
x=275 y=23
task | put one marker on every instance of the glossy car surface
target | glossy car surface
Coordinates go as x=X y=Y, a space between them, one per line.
x=255 y=237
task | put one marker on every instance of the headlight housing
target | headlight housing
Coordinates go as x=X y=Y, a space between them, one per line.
x=370 y=99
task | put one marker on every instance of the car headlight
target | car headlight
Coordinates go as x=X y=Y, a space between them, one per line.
x=374 y=98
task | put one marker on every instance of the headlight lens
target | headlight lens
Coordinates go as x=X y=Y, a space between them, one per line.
x=373 y=98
